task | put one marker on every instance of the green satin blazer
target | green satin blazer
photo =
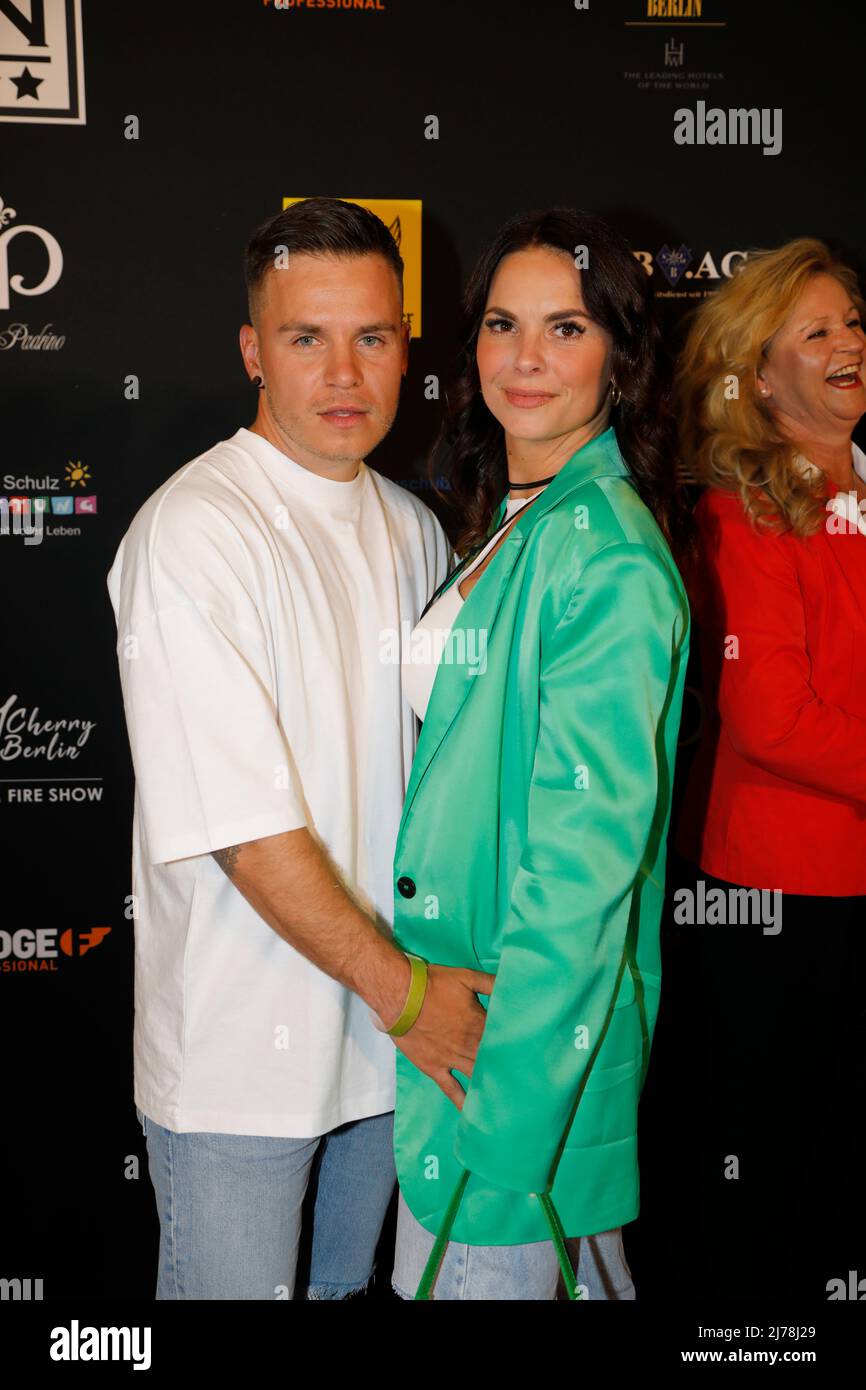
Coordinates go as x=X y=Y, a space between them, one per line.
x=532 y=845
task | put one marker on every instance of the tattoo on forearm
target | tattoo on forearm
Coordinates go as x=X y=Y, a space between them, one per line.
x=227 y=858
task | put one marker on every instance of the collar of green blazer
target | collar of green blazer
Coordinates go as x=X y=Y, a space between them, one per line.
x=598 y=457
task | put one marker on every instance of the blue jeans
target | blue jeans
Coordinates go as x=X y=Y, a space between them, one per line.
x=497 y=1272
x=230 y=1207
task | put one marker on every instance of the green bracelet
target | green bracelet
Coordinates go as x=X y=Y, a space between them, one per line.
x=415 y=997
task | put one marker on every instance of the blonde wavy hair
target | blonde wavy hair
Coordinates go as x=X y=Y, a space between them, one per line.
x=735 y=443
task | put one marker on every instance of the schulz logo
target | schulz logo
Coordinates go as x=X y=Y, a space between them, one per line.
x=10 y=230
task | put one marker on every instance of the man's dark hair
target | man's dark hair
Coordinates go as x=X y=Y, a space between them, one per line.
x=317 y=226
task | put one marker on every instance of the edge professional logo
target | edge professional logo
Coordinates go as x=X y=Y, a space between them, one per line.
x=402 y=217
x=41 y=62
x=353 y=5
x=29 y=950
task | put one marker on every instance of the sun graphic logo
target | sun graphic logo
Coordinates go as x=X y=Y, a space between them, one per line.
x=77 y=472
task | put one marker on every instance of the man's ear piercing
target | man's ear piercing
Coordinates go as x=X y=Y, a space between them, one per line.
x=257 y=381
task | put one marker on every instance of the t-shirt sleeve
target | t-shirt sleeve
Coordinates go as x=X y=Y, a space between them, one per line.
x=212 y=763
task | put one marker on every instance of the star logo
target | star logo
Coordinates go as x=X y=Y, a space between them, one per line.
x=26 y=84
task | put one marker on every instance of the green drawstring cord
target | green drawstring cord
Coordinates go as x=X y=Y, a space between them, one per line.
x=559 y=1244
x=437 y=1254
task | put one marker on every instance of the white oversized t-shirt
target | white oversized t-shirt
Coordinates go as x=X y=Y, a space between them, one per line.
x=253 y=601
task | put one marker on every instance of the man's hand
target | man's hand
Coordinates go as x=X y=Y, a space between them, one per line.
x=293 y=884
x=448 y=1029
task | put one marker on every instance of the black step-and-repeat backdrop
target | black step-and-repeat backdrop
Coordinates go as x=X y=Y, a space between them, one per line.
x=139 y=145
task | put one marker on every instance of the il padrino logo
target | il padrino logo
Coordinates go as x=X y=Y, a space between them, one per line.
x=41 y=62
x=14 y=282
x=10 y=229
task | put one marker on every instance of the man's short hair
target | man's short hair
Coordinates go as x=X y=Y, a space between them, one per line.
x=316 y=226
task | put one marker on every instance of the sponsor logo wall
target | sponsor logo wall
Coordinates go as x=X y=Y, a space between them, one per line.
x=140 y=145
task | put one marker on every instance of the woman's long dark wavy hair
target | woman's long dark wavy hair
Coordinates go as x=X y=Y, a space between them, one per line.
x=470 y=448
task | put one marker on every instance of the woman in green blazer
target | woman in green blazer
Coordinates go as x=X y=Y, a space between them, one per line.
x=532 y=843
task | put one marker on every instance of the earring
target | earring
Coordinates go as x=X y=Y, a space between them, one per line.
x=257 y=381
x=615 y=393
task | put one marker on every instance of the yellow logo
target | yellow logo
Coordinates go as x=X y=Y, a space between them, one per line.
x=402 y=217
x=674 y=9
x=77 y=473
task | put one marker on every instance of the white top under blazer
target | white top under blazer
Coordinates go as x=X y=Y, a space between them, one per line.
x=421 y=662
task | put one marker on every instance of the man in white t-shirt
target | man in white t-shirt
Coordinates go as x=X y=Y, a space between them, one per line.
x=255 y=593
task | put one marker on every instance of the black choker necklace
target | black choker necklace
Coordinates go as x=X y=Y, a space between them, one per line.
x=538 y=483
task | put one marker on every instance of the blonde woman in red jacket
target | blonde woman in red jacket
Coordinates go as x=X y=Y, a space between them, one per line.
x=771 y=386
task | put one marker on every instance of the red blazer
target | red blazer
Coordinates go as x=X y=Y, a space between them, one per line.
x=776 y=796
